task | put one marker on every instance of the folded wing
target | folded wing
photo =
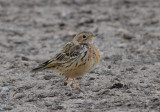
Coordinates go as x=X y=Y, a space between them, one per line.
x=69 y=53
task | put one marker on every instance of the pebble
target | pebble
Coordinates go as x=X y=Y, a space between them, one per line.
x=130 y=69
x=78 y=101
x=91 y=78
x=24 y=58
x=117 y=85
x=7 y=108
x=144 y=68
x=18 y=96
x=5 y=89
x=96 y=89
x=126 y=34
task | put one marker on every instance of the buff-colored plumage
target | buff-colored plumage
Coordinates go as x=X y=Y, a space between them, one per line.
x=76 y=58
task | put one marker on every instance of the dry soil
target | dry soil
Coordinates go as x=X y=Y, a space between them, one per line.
x=127 y=78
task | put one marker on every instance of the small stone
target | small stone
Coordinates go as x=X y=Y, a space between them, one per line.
x=24 y=58
x=109 y=66
x=128 y=36
x=103 y=92
x=68 y=93
x=18 y=96
x=62 y=24
x=57 y=107
x=91 y=78
x=78 y=101
x=143 y=68
x=96 y=89
x=5 y=89
x=130 y=69
x=48 y=77
x=117 y=85
x=65 y=83
x=86 y=84
x=7 y=108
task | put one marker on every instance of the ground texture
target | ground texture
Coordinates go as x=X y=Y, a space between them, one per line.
x=127 y=78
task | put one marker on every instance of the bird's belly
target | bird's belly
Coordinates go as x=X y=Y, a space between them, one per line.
x=81 y=69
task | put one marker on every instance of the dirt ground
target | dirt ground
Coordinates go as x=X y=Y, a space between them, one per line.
x=127 y=78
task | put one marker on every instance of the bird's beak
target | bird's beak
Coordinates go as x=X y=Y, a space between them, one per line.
x=94 y=35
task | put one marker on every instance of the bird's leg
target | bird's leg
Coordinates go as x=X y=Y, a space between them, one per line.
x=77 y=84
x=69 y=84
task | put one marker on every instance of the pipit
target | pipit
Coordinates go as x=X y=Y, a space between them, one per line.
x=77 y=58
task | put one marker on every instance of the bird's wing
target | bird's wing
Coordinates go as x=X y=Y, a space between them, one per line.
x=69 y=52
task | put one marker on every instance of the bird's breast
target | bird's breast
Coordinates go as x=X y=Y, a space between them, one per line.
x=94 y=56
x=85 y=63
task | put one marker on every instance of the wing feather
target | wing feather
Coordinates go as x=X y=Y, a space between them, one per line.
x=69 y=52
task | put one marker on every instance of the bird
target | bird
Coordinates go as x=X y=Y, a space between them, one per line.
x=75 y=59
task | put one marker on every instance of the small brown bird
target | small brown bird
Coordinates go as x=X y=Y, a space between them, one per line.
x=77 y=57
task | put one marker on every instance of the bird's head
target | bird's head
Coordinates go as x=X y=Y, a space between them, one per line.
x=84 y=37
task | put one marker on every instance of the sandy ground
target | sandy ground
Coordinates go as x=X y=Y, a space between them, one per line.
x=127 y=78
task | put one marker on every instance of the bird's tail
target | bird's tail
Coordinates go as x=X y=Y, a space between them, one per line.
x=44 y=65
x=40 y=67
x=37 y=69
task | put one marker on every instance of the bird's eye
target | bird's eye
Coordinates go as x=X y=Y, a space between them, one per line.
x=84 y=36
